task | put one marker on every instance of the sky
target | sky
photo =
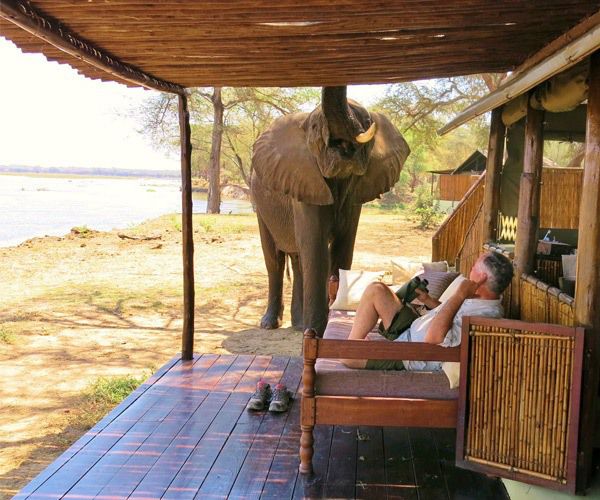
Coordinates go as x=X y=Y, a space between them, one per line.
x=51 y=116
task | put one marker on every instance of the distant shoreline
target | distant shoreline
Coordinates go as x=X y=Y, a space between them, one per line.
x=88 y=172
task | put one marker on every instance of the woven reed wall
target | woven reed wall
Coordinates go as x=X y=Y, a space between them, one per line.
x=519 y=389
x=450 y=237
x=542 y=303
x=454 y=187
x=472 y=246
x=560 y=197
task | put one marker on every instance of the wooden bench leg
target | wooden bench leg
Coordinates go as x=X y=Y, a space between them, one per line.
x=306 y=449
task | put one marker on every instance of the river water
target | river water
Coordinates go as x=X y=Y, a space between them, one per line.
x=51 y=205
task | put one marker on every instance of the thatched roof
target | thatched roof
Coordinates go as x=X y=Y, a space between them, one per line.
x=303 y=43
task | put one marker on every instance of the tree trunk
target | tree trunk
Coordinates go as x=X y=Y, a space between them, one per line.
x=213 y=205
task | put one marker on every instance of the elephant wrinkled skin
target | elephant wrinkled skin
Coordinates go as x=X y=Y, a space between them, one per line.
x=311 y=174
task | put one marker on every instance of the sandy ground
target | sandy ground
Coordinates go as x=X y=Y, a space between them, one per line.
x=96 y=304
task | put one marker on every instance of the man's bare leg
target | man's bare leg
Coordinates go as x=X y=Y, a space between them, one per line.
x=377 y=302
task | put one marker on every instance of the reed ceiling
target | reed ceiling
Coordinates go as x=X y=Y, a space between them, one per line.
x=308 y=42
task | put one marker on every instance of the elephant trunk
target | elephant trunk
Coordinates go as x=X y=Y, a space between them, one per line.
x=341 y=122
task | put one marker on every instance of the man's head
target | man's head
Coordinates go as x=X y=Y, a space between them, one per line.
x=496 y=268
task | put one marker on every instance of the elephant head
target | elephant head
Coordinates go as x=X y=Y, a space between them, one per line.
x=337 y=140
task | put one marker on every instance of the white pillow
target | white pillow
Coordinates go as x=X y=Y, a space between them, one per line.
x=452 y=371
x=351 y=286
x=440 y=266
x=452 y=287
x=404 y=269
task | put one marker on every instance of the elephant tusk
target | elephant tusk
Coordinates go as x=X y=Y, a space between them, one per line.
x=368 y=135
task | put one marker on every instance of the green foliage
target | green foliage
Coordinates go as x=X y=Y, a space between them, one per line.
x=427 y=209
x=112 y=390
x=7 y=336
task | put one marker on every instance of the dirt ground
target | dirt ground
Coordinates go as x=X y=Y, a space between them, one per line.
x=97 y=304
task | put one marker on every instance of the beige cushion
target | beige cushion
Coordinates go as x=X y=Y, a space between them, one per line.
x=438 y=282
x=351 y=286
x=404 y=269
x=452 y=287
x=441 y=266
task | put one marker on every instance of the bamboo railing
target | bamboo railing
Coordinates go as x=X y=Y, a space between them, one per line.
x=450 y=238
x=523 y=390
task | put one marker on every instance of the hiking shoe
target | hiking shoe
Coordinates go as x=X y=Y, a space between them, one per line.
x=281 y=399
x=261 y=396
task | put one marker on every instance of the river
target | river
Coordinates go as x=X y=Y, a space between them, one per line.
x=51 y=205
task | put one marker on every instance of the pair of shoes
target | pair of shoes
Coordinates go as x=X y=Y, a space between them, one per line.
x=278 y=399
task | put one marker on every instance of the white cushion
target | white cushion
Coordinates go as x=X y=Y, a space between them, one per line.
x=351 y=286
x=441 y=266
x=404 y=269
x=448 y=292
x=452 y=371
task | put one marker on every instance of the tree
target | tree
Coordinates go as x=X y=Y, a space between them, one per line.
x=237 y=114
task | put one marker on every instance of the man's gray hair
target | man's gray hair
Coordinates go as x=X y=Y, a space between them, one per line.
x=500 y=270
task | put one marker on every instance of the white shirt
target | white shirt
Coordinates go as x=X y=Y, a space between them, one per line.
x=419 y=327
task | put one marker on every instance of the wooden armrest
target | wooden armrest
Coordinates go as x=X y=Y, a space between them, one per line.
x=372 y=349
x=332 y=288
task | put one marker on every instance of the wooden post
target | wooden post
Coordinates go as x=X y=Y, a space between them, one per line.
x=187 y=337
x=587 y=290
x=529 y=192
x=491 y=194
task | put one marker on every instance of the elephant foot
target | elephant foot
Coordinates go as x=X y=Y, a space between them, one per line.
x=270 y=322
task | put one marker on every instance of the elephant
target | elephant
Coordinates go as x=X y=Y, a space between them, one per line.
x=311 y=174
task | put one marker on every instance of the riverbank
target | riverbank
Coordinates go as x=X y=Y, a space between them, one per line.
x=104 y=304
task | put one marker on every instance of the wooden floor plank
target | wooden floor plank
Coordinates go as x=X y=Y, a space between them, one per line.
x=255 y=469
x=370 y=464
x=313 y=485
x=154 y=403
x=463 y=483
x=188 y=480
x=341 y=475
x=399 y=466
x=105 y=470
x=226 y=467
x=89 y=435
x=429 y=477
x=184 y=403
x=160 y=476
x=284 y=467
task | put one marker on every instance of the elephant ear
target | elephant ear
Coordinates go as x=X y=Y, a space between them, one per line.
x=284 y=164
x=387 y=158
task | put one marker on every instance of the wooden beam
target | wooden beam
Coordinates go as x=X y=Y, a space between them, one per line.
x=491 y=193
x=587 y=290
x=48 y=29
x=529 y=193
x=187 y=230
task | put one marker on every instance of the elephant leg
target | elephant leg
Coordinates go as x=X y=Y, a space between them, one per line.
x=297 y=291
x=275 y=263
x=312 y=227
x=342 y=245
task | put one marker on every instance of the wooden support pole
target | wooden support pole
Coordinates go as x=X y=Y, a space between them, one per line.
x=51 y=31
x=187 y=337
x=491 y=194
x=529 y=192
x=587 y=291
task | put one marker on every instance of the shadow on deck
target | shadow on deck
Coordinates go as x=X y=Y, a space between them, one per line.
x=185 y=433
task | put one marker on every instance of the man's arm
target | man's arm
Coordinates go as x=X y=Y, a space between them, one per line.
x=442 y=322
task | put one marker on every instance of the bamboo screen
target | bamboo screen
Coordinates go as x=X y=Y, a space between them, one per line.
x=544 y=304
x=560 y=197
x=519 y=393
x=454 y=187
x=450 y=237
x=472 y=246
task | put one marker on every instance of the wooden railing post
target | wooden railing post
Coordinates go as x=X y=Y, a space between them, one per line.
x=587 y=290
x=307 y=417
x=491 y=194
x=187 y=231
x=529 y=192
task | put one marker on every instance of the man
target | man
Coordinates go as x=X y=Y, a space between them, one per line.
x=479 y=295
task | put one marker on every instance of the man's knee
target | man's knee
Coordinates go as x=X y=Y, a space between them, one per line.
x=377 y=288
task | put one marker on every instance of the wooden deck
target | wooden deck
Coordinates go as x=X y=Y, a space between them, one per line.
x=185 y=433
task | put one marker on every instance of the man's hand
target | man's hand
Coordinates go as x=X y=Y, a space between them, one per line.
x=426 y=299
x=467 y=289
